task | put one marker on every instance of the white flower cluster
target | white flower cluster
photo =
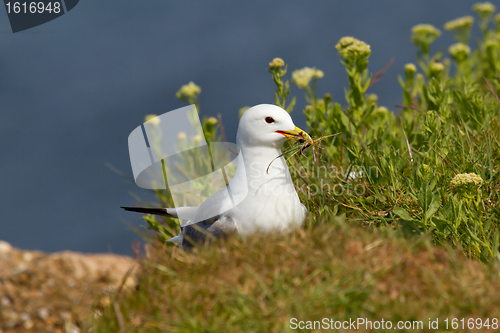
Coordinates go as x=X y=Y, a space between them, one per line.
x=459 y=23
x=459 y=51
x=467 y=179
x=484 y=9
x=276 y=63
x=352 y=49
x=302 y=77
x=189 y=90
x=424 y=33
x=155 y=120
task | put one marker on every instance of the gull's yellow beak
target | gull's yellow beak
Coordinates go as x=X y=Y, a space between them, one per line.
x=297 y=134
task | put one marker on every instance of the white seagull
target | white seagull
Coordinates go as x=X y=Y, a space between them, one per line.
x=264 y=194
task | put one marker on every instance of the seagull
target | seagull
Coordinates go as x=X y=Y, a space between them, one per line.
x=261 y=196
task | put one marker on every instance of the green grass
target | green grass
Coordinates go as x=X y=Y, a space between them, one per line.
x=447 y=126
x=414 y=236
x=331 y=271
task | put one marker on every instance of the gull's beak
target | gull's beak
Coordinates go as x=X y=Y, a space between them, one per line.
x=297 y=134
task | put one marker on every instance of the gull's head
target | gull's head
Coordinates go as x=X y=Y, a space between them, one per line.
x=267 y=125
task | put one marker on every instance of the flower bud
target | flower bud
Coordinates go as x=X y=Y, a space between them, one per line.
x=484 y=9
x=152 y=119
x=212 y=121
x=302 y=77
x=189 y=90
x=466 y=184
x=276 y=63
x=459 y=52
x=424 y=33
x=436 y=68
x=372 y=98
x=353 y=50
x=410 y=69
x=459 y=23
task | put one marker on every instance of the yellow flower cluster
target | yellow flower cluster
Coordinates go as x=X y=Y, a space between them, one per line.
x=197 y=138
x=491 y=44
x=410 y=68
x=276 y=63
x=189 y=90
x=425 y=33
x=461 y=22
x=372 y=98
x=155 y=120
x=212 y=121
x=351 y=48
x=459 y=51
x=467 y=179
x=345 y=41
x=380 y=112
x=436 y=67
x=302 y=77
x=484 y=8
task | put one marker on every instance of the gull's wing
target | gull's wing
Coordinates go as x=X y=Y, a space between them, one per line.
x=211 y=221
x=212 y=228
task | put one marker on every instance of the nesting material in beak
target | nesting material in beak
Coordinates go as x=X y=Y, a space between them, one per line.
x=297 y=135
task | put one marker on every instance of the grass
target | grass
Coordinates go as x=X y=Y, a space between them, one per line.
x=404 y=221
x=331 y=271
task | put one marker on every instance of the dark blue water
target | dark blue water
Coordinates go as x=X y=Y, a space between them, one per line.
x=72 y=90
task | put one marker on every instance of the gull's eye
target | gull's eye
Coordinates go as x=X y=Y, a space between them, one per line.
x=269 y=120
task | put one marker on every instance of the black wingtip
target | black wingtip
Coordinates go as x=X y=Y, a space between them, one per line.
x=148 y=210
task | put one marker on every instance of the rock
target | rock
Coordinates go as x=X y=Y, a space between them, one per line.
x=26 y=320
x=27 y=256
x=43 y=313
x=5 y=247
x=59 y=292
x=70 y=328
x=5 y=302
x=19 y=269
x=11 y=319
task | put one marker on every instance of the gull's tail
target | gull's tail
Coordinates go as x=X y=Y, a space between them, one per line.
x=150 y=210
x=183 y=213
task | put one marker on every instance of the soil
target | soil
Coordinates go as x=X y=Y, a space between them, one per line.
x=58 y=292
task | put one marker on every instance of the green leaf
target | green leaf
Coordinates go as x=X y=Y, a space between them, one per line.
x=441 y=224
x=401 y=82
x=367 y=85
x=434 y=205
x=290 y=107
x=402 y=213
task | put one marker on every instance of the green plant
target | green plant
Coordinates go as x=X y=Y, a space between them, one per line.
x=333 y=271
x=396 y=171
x=424 y=184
